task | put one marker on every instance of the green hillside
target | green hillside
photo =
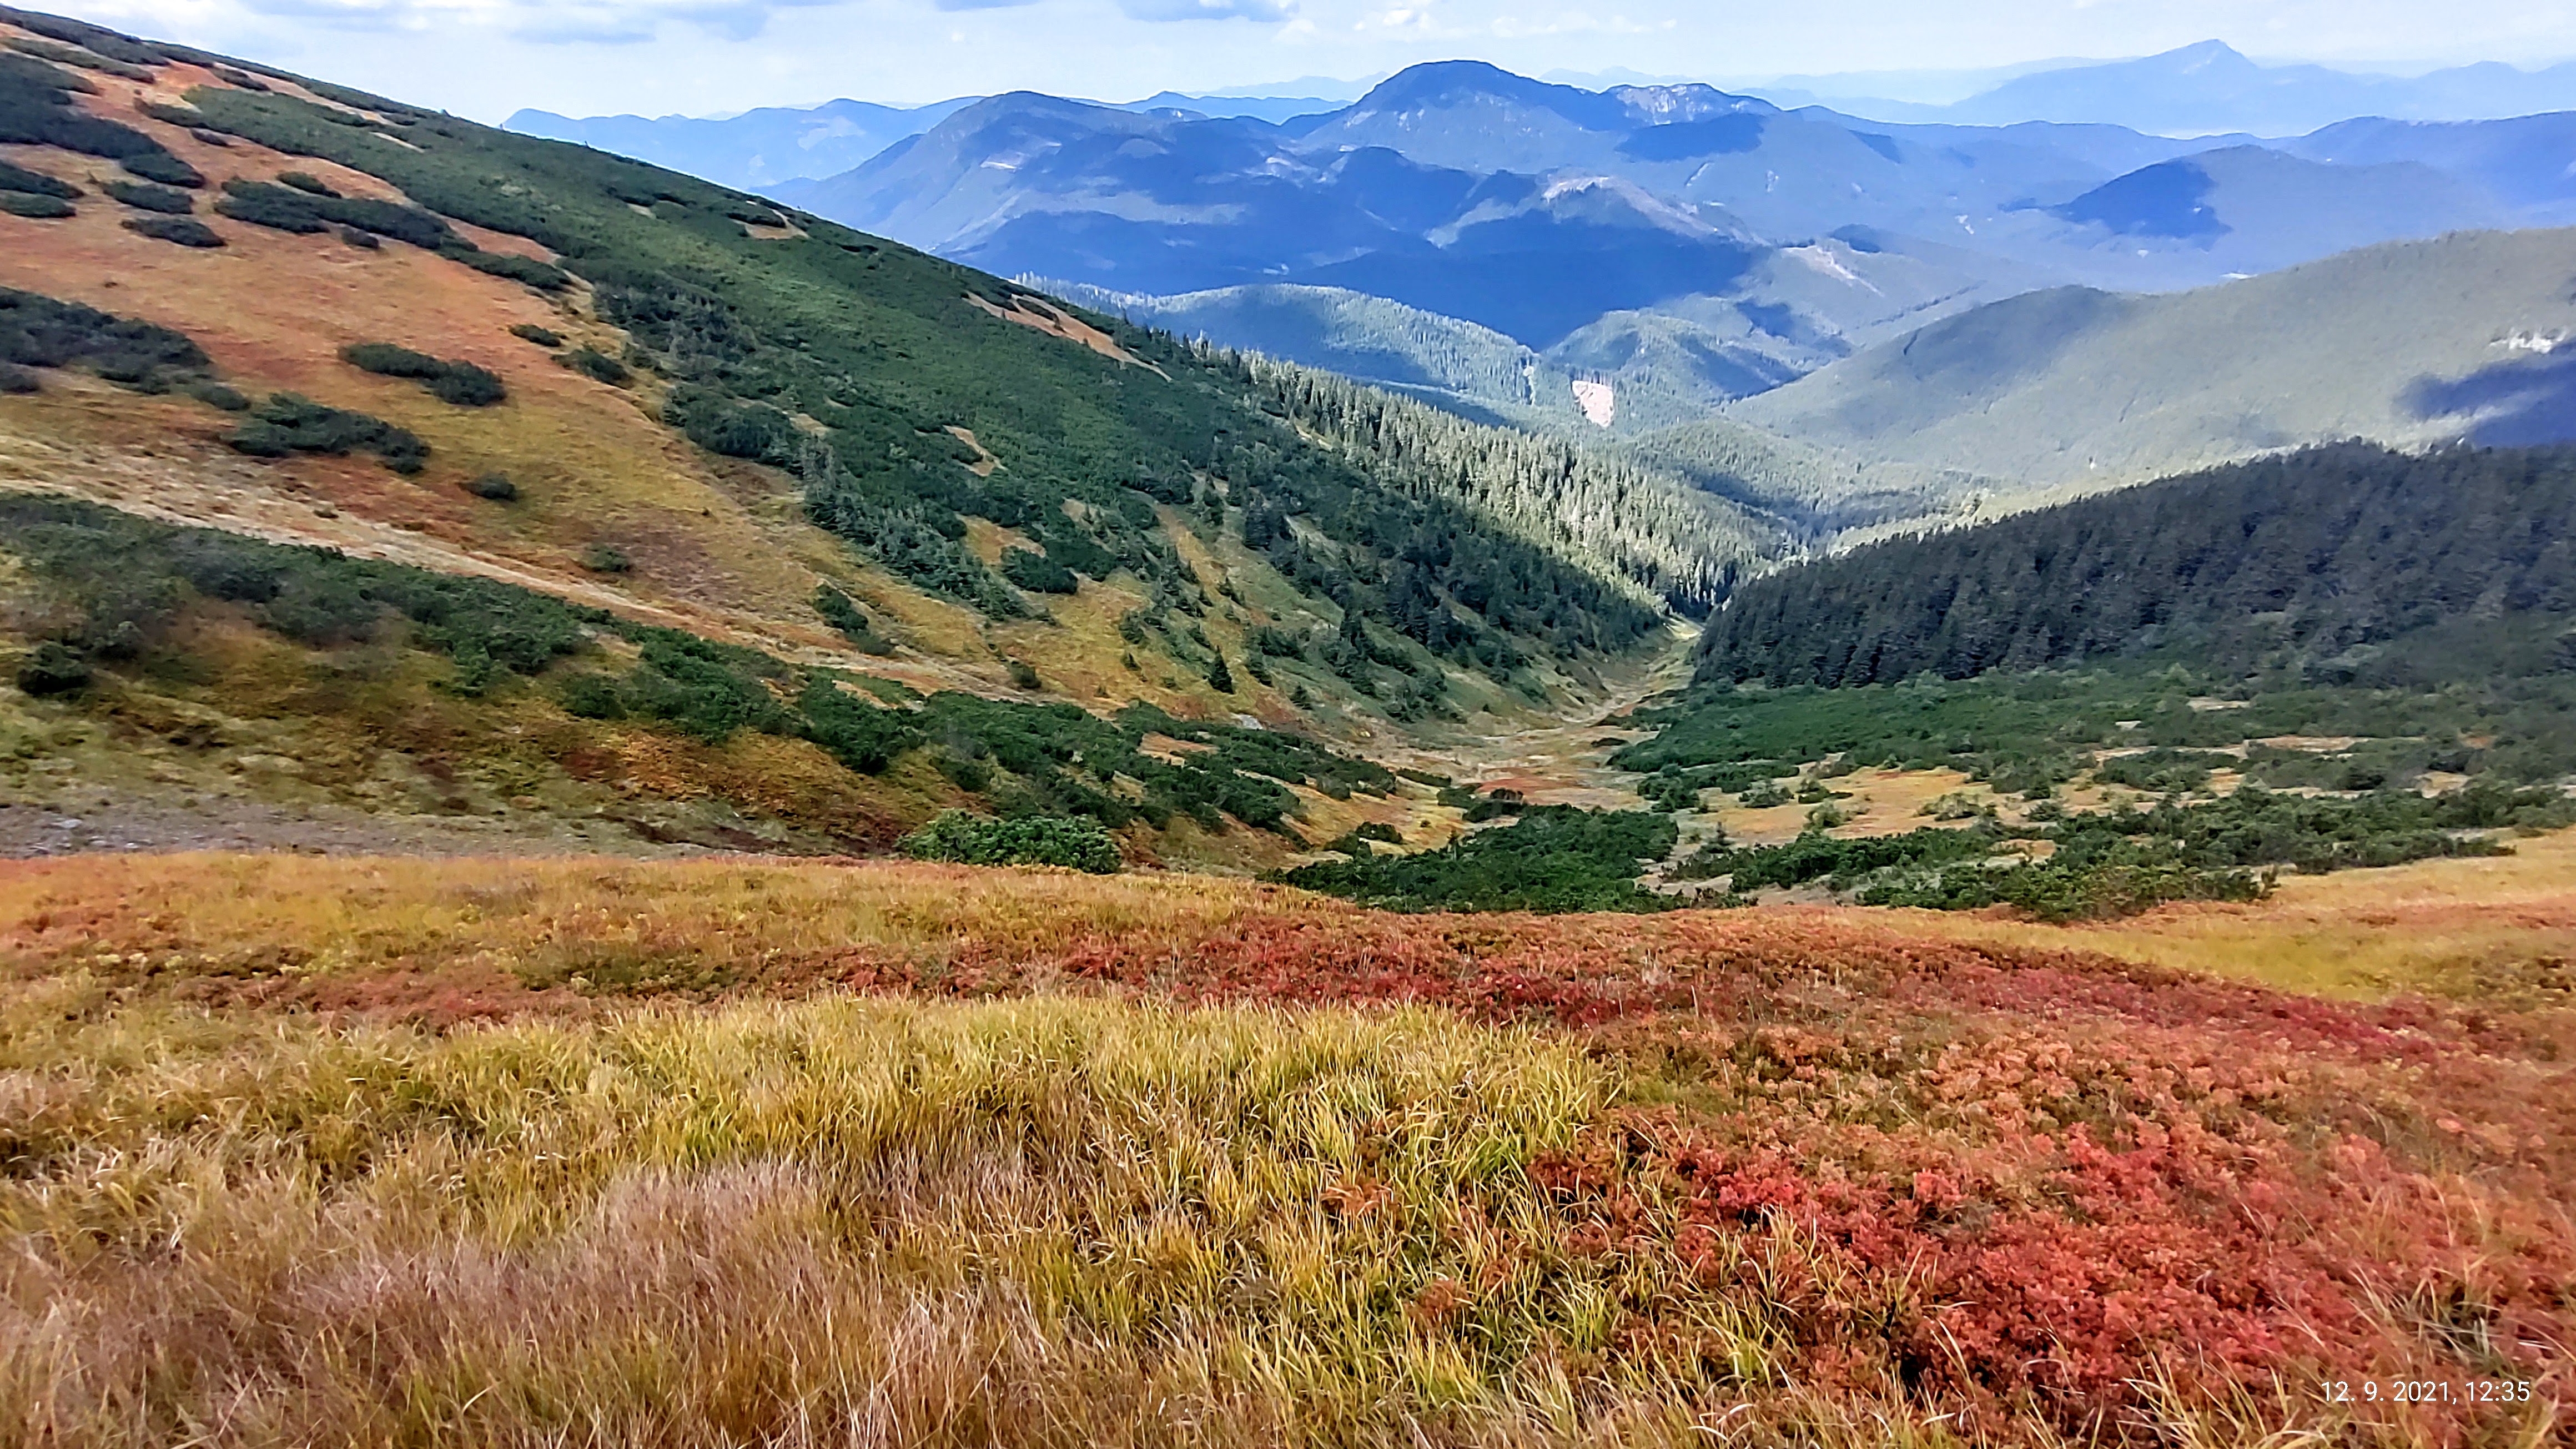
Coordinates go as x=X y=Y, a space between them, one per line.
x=2340 y=657
x=821 y=535
x=849 y=360
x=2405 y=344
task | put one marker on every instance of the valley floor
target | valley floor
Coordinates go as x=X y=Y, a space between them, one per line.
x=759 y=1151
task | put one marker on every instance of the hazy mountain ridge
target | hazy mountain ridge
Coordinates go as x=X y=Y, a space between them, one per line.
x=1761 y=243
x=2210 y=87
x=775 y=144
x=2407 y=343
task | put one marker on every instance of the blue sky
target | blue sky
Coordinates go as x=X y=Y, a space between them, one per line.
x=485 y=58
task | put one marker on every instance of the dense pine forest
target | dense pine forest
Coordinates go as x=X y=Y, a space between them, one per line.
x=1685 y=543
x=2316 y=560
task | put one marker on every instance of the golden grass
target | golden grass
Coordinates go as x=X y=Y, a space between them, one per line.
x=834 y=1221
x=447 y=939
x=1054 y=1219
x=2500 y=929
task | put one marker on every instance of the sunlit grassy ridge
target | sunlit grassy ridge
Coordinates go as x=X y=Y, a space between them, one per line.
x=1799 y=1176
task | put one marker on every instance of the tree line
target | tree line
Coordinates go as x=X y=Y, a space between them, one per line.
x=2297 y=561
x=1677 y=541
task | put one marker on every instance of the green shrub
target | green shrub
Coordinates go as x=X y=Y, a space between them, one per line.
x=843 y=613
x=167 y=200
x=733 y=429
x=1023 y=675
x=467 y=386
x=863 y=736
x=542 y=336
x=289 y=423
x=598 y=366
x=53 y=668
x=220 y=397
x=495 y=487
x=184 y=231
x=18 y=380
x=163 y=167
x=2164 y=771
x=284 y=209
x=308 y=183
x=125 y=578
x=544 y=276
x=703 y=688
x=1037 y=573
x=460 y=383
x=1219 y=677
x=606 y=558
x=36 y=208
x=76 y=55
x=1554 y=858
x=36 y=110
x=97 y=39
x=273 y=207
x=387 y=360
x=31 y=82
x=365 y=241
x=35 y=183
x=38 y=331
x=1278 y=643
x=965 y=839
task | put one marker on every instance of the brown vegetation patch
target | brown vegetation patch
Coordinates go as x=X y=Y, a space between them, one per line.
x=1030 y=311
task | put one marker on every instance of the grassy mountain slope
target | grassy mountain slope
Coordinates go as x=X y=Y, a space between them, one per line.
x=2407 y=343
x=661 y=399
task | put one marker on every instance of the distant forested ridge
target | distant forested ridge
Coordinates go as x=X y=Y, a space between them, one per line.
x=1681 y=542
x=2311 y=559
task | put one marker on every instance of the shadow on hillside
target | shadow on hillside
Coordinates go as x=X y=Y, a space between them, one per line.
x=2516 y=404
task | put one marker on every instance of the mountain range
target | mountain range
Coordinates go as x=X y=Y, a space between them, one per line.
x=1678 y=244
x=764 y=147
x=2211 y=87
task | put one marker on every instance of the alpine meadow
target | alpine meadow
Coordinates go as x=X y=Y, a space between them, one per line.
x=1874 y=759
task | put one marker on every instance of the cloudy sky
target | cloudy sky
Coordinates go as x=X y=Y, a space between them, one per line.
x=486 y=58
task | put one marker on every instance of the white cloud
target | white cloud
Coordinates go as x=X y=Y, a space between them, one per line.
x=1262 y=10
x=539 y=21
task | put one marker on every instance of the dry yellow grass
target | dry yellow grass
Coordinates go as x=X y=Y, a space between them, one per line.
x=830 y=1222
x=1085 y=1214
x=2500 y=928
x=1043 y=1221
